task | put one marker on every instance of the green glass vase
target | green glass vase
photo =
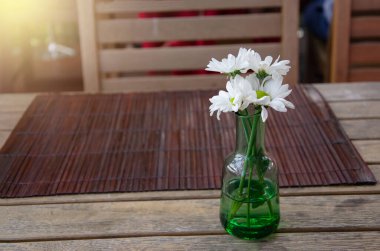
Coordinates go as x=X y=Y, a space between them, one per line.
x=249 y=206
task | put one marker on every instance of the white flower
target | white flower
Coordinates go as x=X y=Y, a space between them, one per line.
x=265 y=67
x=247 y=93
x=274 y=93
x=255 y=84
x=224 y=102
x=279 y=68
x=239 y=96
x=231 y=64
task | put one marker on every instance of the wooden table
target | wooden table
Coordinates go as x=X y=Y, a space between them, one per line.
x=334 y=217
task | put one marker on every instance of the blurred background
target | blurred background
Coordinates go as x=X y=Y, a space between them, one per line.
x=39 y=47
x=40 y=51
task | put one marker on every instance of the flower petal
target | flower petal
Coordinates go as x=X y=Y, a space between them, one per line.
x=268 y=60
x=278 y=105
x=264 y=113
x=254 y=81
x=263 y=101
x=287 y=103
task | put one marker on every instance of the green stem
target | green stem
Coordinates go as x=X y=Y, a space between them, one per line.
x=249 y=196
x=244 y=126
x=255 y=121
x=261 y=180
x=251 y=150
x=236 y=206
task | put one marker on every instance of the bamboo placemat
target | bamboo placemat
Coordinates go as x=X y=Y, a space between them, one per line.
x=71 y=144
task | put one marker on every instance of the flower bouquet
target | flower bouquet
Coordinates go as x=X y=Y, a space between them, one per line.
x=249 y=206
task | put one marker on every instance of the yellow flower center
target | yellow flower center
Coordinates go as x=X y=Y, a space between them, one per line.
x=232 y=100
x=261 y=94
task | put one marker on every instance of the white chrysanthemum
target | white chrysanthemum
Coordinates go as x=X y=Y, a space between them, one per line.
x=265 y=67
x=224 y=102
x=244 y=87
x=271 y=93
x=255 y=84
x=231 y=64
x=238 y=97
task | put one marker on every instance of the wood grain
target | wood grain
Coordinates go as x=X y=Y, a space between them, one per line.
x=364 y=74
x=89 y=50
x=117 y=25
x=178 y=5
x=350 y=92
x=356 y=110
x=365 y=53
x=365 y=5
x=290 y=43
x=362 y=128
x=311 y=222
x=8 y=120
x=355 y=32
x=369 y=150
x=280 y=241
x=164 y=83
x=189 y=28
x=15 y=102
x=149 y=218
x=365 y=27
x=3 y=137
x=186 y=195
x=179 y=58
x=340 y=41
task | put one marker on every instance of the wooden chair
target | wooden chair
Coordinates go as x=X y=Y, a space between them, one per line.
x=110 y=32
x=355 y=45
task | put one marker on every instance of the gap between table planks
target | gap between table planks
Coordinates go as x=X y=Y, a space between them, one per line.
x=280 y=241
x=333 y=213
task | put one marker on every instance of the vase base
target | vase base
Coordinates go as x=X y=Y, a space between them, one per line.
x=257 y=230
x=252 y=218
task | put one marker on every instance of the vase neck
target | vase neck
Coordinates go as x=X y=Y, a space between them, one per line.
x=250 y=130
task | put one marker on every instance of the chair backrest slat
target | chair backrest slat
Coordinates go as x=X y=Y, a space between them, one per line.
x=113 y=44
x=365 y=27
x=179 y=58
x=122 y=6
x=189 y=28
x=355 y=47
x=365 y=5
x=360 y=53
x=88 y=44
x=163 y=83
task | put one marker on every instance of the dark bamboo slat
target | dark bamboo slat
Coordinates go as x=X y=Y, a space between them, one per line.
x=71 y=144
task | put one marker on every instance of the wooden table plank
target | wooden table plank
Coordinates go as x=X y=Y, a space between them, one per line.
x=179 y=217
x=369 y=150
x=281 y=241
x=3 y=137
x=196 y=212
x=8 y=120
x=15 y=102
x=362 y=128
x=356 y=110
x=350 y=91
